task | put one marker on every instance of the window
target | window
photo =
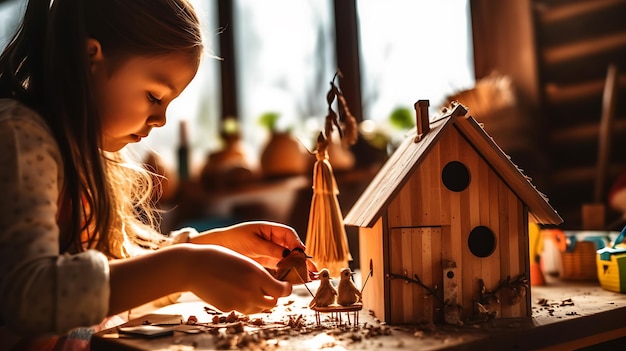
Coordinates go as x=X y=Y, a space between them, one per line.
x=285 y=60
x=285 y=57
x=10 y=14
x=285 y=52
x=412 y=50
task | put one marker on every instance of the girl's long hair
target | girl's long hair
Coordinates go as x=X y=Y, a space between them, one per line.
x=46 y=66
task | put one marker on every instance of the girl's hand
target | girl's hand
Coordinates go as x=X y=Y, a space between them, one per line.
x=222 y=277
x=230 y=281
x=262 y=241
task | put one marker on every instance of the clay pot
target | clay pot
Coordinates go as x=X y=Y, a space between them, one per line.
x=227 y=167
x=284 y=156
x=340 y=156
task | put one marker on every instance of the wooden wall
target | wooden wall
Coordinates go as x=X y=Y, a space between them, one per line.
x=558 y=53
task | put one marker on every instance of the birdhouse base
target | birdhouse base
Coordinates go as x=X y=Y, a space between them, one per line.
x=336 y=310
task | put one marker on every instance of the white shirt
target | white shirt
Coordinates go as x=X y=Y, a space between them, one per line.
x=41 y=289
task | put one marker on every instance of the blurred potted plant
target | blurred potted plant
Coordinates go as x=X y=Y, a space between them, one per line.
x=231 y=165
x=400 y=120
x=283 y=155
x=388 y=134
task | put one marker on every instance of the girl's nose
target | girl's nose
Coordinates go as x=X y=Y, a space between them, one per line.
x=157 y=120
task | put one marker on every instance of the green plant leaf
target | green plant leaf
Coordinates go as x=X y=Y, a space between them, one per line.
x=402 y=118
x=269 y=119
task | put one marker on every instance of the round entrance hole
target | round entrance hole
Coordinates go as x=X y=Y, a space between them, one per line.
x=481 y=241
x=455 y=176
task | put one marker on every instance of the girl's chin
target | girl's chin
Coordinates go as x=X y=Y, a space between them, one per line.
x=116 y=146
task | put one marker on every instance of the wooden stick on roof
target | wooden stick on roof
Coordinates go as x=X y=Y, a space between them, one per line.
x=423 y=120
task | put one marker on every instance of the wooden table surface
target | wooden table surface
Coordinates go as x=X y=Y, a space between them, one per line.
x=566 y=316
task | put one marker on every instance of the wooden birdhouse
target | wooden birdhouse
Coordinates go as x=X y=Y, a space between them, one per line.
x=444 y=224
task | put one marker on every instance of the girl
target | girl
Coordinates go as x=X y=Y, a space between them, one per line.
x=80 y=80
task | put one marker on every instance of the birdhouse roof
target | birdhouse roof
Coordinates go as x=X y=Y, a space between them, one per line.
x=408 y=156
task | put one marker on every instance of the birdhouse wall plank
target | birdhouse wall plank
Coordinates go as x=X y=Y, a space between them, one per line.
x=470 y=264
x=419 y=203
x=485 y=206
x=495 y=189
x=504 y=245
x=397 y=288
x=453 y=243
x=437 y=212
x=428 y=259
x=515 y=209
x=514 y=249
x=436 y=247
x=492 y=263
x=411 y=262
x=524 y=239
x=371 y=247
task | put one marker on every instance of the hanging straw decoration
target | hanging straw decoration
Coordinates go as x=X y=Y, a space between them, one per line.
x=326 y=238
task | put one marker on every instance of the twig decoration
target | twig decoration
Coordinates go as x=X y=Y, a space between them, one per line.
x=416 y=280
x=517 y=285
x=344 y=122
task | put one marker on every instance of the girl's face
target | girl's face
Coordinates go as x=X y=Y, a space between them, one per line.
x=133 y=99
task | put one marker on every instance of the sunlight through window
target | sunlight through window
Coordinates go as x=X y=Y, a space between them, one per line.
x=412 y=50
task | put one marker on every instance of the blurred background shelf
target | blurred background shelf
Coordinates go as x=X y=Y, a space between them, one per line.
x=565 y=48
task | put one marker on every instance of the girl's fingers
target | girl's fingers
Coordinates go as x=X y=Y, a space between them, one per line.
x=268 y=302
x=264 y=248
x=267 y=298
x=282 y=235
x=276 y=288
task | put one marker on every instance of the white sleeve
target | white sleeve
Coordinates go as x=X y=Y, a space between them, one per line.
x=41 y=290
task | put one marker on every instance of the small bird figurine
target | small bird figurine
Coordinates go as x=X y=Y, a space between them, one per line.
x=347 y=292
x=326 y=293
x=295 y=267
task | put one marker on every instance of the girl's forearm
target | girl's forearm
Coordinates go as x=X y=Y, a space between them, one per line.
x=141 y=279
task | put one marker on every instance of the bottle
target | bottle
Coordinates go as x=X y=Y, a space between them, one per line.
x=182 y=153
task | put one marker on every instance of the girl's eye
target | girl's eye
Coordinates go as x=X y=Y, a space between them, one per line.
x=153 y=99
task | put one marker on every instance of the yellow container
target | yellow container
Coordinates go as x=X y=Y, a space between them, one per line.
x=612 y=269
x=611 y=263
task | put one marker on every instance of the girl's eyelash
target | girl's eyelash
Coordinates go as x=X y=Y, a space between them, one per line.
x=153 y=99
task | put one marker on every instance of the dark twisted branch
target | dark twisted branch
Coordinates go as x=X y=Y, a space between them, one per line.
x=416 y=280
x=347 y=131
x=516 y=285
